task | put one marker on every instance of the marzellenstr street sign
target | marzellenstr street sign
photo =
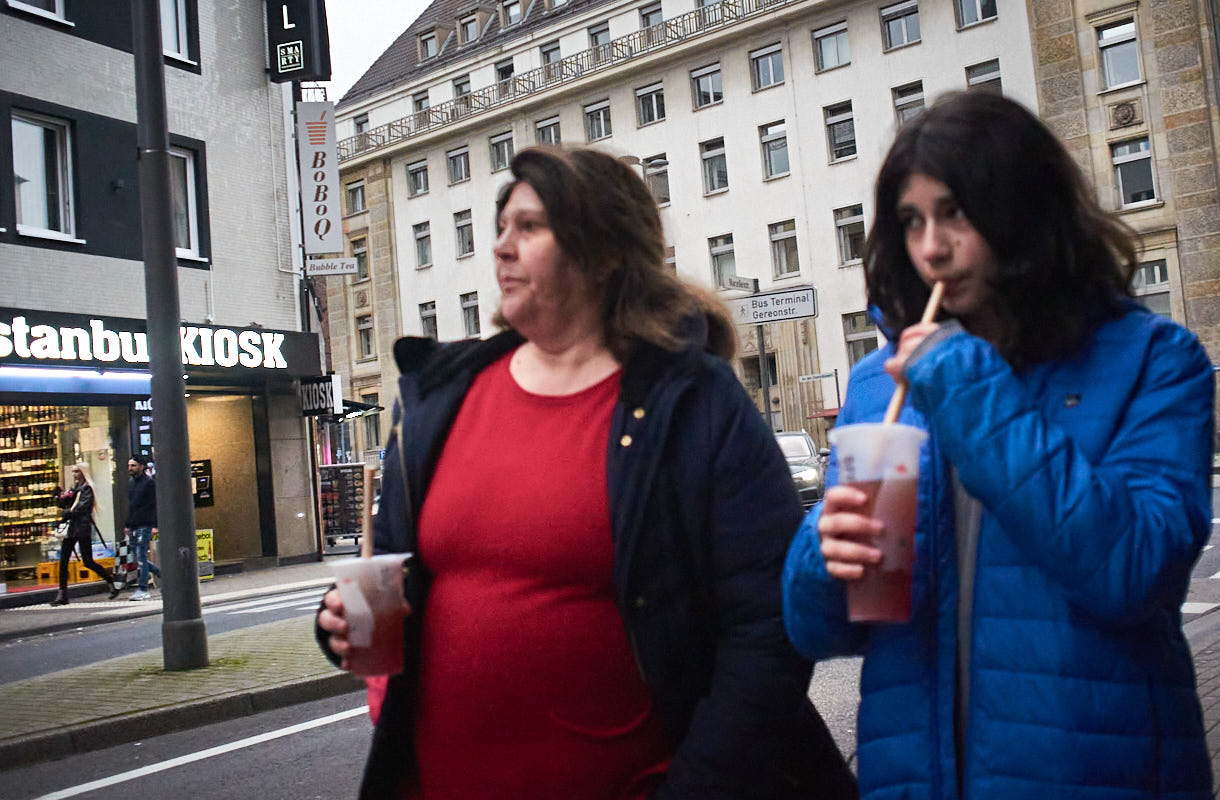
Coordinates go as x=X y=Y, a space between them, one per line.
x=758 y=309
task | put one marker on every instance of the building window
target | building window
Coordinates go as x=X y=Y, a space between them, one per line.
x=355 y=197
x=501 y=150
x=900 y=24
x=504 y=70
x=186 y=210
x=465 y=233
x=54 y=9
x=360 y=252
x=461 y=86
x=849 y=229
x=174 y=40
x=511 y=11
x=784 y=261
x=546 y=131
x=860 y=334
x=840 y=131
x=749 y=373
x=723 y=263
x=597 y=120
x=468 y=28
x=427 y=319
x=670 y=263
x=42 y=172
x=419 y=101
x=1151 y=286
x=423 y=244
x=774 y=141
x=705 y=83
x=830 y=47
x=599 y=42
x=470 y=312
x=1133 y=172
x=551 y=59
x=372 y=423
x=1120 y=61
x=656 y=175
x=767 y=66
x=427 y=46
x=984 y=77
x=715 y=167
x=361 y=124
x=650 y=104
x=364 y=337
x=972 y=11
x=908 y=102
x=417 y=178
x=651 y=15
x=459 y=164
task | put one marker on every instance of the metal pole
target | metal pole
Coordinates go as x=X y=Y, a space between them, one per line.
x=184 y=640
x=764 y=377
x=838 y=397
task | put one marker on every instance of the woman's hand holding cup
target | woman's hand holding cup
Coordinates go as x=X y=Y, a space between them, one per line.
x=846 y=532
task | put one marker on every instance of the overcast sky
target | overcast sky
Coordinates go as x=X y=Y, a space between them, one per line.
x=360 y=31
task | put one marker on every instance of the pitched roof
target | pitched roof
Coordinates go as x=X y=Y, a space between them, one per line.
x=400 y=63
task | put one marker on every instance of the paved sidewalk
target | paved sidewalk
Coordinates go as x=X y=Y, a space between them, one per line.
x=1204 y=637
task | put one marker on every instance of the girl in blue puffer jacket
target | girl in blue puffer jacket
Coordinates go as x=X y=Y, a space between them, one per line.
x=1063 y=492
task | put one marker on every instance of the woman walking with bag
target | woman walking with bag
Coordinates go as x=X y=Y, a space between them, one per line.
x=80 y=511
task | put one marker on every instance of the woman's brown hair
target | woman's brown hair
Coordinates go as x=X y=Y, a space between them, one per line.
x=606 y=221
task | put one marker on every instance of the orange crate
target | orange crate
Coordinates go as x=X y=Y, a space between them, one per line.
x=82 y=574
x=48 y=572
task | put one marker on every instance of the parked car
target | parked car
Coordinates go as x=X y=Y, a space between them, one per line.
x=806 y=463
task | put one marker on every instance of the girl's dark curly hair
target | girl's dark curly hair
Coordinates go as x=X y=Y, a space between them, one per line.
x=1063 y=264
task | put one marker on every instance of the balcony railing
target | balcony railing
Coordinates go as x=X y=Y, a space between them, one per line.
x=578 y=65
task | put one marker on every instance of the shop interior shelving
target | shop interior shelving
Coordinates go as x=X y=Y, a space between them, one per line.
x=22 y=537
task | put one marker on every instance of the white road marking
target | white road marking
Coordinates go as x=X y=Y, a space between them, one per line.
x=1207 y=547
x=1213 y=577
x=123 y=777
x=1198 y=608
x=267 y=602
x=274 y=607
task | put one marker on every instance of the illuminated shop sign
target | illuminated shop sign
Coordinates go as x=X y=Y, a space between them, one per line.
x=55 y=339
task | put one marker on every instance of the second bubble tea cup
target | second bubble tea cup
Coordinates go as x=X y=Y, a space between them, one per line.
x=882 y=460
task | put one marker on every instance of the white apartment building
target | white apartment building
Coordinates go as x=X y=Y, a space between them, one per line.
x=71 y=256
x=759 y=126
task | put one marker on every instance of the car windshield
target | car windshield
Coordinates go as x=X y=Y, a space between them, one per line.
x=795 y=446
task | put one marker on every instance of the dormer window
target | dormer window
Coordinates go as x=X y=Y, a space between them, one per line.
x=427 y=46
x=510 y=12
x=468 y=28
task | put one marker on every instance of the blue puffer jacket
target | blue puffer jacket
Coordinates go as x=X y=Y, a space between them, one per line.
x=1093 y=477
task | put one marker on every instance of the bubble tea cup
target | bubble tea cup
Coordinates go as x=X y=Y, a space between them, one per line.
x=882 y=460
x=371 y=591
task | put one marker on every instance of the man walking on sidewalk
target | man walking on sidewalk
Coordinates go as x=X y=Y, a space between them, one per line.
x=141 y=521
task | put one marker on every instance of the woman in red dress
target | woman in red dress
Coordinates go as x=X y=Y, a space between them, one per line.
x=603 y=514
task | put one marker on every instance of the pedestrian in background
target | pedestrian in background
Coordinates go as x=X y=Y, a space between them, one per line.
x=1063 y=490
x=603 y=515
x=79 y=504
x=141 y=522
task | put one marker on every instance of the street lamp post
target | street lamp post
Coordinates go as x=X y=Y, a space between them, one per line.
x=184 y=640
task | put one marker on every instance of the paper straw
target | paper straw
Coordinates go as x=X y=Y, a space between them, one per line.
x=900 y=391
x=366 y=515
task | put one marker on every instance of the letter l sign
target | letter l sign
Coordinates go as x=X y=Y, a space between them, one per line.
x=287 y=25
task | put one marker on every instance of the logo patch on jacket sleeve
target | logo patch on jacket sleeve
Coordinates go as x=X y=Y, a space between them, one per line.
x=1072 y=400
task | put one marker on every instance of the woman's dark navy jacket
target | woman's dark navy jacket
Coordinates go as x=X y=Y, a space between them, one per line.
x=702 y=510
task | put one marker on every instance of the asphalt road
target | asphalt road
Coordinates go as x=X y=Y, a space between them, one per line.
x=319 y=763
x=38 y=655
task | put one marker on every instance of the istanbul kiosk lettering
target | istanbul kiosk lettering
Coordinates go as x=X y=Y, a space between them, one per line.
x=74 y=389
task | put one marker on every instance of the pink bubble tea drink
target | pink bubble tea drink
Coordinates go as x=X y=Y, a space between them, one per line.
x=371 y=590
x=883 y=462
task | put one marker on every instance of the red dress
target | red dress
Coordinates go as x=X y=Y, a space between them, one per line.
x=529 y=690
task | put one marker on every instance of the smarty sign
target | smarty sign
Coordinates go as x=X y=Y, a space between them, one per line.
x=53 y=339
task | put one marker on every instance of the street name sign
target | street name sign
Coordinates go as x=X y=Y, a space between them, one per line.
x=737 y=282
x=759 y=309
